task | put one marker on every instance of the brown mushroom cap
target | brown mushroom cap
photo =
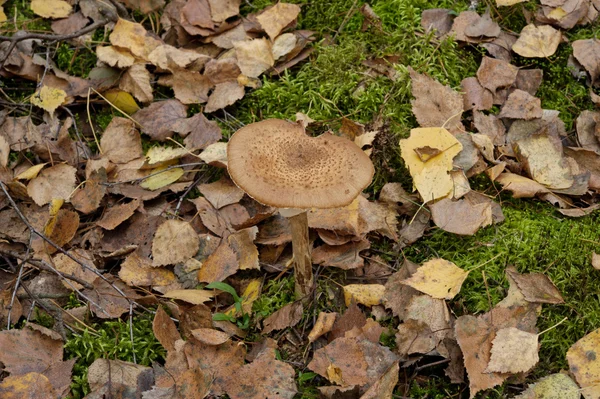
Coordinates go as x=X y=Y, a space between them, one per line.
x=277 y=164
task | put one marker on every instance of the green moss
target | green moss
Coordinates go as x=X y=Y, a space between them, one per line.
x=534 y=238
x=19 y=11
x=111 y=341
x=275 y=295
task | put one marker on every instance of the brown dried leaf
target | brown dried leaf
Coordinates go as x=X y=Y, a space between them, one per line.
x=435 y=104
x=134 y=37
x=587 y=53
x=159 y=118
x=287 y=316
x=138 y=271
x=174 y=241
x=464 y=217
x=513 y=351
x=111 y=304
x=210 y=336
x=136 y=80
x=520 y=186
x=225 y=94
x=535 y=287
x=485 y=27
x=276 y=379
x=121 y=142
x=220 y=10
x=56 y=182
x=25 y=351
x=322 y=326
x=254 y=56
x=51 y=8
x=220 y=264
x=475 y=96
x=496 y=74
x=87 y=199
x=437 y=19
x=117 y=214
x=68 y=266
x=344 y=256
x=274 y=19
x=397 y=295
x=521 y=105
x=190 y=87
x=165 y=330
x=222 y=362
x=537 y=41
x=346 y=356
x=221 y=193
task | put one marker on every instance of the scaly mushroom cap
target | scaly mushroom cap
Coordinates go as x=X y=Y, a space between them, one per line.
x=277 y=164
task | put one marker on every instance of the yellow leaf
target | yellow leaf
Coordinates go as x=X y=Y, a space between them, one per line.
x=428 y=154
x=51 y=8
x=55 y=206
x=366 y=294
x=2 y=15
x=334 y=374
x=249 y=295
x=192 y=296
x=31 y=173
x=507 y=3
x=122 y=100
x=558 y=13
x=584 y=363
x=157 y=155
x=537 y=41
x=438 y=278
x=156 y=181
x=49 y=98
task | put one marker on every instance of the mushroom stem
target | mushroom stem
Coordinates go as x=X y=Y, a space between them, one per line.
x=302 y=260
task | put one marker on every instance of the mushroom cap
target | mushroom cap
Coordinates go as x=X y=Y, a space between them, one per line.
x=277 y=164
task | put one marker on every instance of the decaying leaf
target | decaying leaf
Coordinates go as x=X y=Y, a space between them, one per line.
x=438 y=278
x=521 y=186
x=513 y=351
x=435 y=104
x=535 y=287
x=585 y=364
x=287 y=316
x=431 y=177
x=587 y=53
x=51 y=8
x=322 y=326
x=210 y=336
x=174 y=241
x=138 y=271
x=554 y=386
x=254 y=56
x=465 y=216
x=537 y=41
x=56 y=182
x=275 y=19
x=366 y=294
x=49 y=98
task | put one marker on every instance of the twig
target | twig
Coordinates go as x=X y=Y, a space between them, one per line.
x=14 y=40
x=131 y=331
x=350 y=13
x=17 y=283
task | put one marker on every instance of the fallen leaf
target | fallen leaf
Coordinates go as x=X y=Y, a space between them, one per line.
x=365 y=294
x=485 y=27
x=49 y=98
x=115 y=56
x=587 y=53
x=63 y=263
x=224 y=94
x=220 y=10
x=542 y=156
x=475 y=96
x=122 y=101
x=506 y=3
x=195 y=297
x=87 y=199
x=173 y=59
x=136 y=80
x=276 y=379
x=554 y=386
x=51 y=8
x=30 y=385
x=537 y=41
x=174 y=241
x=287 y=316
x=215 y=155
x=521 y=105
x=198 y=131
x=210 y=336
x=164 y=329
x=221 y=193
x=520 y=186
x=121 y=142
x=25 y=351
x=345 y=256
x=535 y=287
x=322 y=326
x=584 y=364
x=254 y=56
x=513 y=351
x=274 y=19
x=161 y=177
x=438 y=278
x=108 y=302
x=190 y=87
x=435 y=104
x=134 y=37
x=221 y=264
x=384 y=387
x=56 y=182
x=159 y=118
x=138 y=271
x=496 y=74
x=431 y=178
x=346 y=356
x=117 y=214
x=596 y=261
x=464 y=217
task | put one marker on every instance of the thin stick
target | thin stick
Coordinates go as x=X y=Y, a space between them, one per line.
x=125 y=114
x=553 y=327
x=90 y=121
x=486 y=262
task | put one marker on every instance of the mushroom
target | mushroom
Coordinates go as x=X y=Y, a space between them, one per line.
x=277 y=164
